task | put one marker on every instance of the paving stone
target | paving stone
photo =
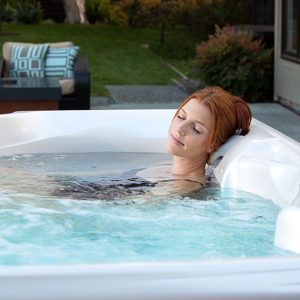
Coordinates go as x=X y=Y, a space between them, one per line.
x=278 y=117
x=145 y=94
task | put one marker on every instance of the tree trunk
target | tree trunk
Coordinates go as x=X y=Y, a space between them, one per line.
x=75 y=11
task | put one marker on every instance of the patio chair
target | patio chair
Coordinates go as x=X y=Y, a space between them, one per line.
x=33 y=82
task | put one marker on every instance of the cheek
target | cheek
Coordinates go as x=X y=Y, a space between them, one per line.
x=170 y=146
x=199 y=144
x=172 y=125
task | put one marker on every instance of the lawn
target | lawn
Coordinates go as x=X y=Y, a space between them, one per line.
x=116 y=55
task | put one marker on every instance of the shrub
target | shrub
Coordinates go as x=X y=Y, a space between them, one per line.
x=98 y=10
x=120 y=12
x=145 y=13
x=26 y=12
x=9 y=13
x=108 y=11
x=233 y=60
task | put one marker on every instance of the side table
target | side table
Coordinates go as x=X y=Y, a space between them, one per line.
x=19 y=94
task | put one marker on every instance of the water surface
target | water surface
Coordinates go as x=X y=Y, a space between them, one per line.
x=39 y=227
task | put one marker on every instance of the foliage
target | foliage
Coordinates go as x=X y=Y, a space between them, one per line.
x=26 y=12
x=230 y=12
x=144 y=13
x=98 y=10
x=232 y=60
x=107 y=11
x=154 y=12
x=121 y=12
x=9 y=13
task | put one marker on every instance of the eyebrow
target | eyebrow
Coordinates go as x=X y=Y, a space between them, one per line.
x=195 y=120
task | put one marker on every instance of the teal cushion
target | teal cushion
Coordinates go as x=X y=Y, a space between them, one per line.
x=28 y=61
x=59 y=62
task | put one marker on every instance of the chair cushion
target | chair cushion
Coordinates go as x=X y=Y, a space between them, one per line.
x=7 y=47
x=67 y=86
x=59 y=62
x=28 y=61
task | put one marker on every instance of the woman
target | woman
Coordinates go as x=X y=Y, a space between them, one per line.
x=202 y=123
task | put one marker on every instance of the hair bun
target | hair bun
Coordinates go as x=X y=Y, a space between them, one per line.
x=244 y=116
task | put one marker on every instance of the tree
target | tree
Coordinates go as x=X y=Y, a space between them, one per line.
x=75 y=11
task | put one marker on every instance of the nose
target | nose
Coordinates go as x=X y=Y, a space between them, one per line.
x=181 y=130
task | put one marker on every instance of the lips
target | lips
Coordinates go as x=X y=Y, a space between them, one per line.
x=176 y=141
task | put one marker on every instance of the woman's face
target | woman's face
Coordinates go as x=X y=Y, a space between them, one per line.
x=190 y=130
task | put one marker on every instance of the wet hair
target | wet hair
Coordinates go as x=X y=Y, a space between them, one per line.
x=231 y=115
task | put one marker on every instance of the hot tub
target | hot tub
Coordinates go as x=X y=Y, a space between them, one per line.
x=265 y=162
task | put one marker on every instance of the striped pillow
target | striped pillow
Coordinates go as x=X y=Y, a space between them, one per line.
x=28 y=61
x=59 y=62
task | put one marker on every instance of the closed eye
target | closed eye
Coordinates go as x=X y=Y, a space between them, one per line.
x=180 y=117
x=199 y=132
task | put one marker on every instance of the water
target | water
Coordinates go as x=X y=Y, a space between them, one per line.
x=38 y=227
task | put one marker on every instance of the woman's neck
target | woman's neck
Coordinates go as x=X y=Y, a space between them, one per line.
x=193 y=169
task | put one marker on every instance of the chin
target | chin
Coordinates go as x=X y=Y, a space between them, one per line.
x=173 y=149
x=170 y=148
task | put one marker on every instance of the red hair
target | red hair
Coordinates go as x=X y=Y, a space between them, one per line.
x=231 y=115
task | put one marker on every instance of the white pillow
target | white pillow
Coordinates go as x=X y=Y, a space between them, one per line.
x=217 y=156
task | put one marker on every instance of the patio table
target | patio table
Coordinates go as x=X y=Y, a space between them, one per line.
x=19 y=94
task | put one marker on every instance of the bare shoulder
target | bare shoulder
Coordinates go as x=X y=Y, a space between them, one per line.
x=157 y=173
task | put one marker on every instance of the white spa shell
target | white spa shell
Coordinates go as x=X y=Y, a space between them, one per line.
x=265 y=162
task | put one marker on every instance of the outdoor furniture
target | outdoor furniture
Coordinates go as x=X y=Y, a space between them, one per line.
x=46 y=93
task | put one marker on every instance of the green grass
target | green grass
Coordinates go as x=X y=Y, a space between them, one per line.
x=116 y=55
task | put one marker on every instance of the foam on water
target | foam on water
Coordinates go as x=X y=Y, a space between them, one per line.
x=37 y=227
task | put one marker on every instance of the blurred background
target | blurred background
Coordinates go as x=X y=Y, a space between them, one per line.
x=186 y=42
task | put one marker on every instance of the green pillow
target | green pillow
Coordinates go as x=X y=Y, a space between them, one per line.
x=28 y=61
x=59 y=62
